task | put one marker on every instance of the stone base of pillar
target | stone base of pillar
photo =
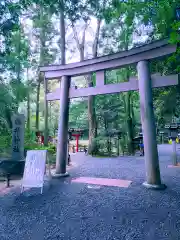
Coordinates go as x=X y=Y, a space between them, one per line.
x=60 y=175
x=154 y=186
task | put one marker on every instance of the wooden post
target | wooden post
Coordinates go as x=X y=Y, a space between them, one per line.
x=174 y=153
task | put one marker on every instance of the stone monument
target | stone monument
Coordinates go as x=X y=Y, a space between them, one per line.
x=18 y=129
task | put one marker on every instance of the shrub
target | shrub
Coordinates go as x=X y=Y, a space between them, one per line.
x=5 y=142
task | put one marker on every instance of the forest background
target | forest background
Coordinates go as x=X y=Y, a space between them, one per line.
x=41 y=32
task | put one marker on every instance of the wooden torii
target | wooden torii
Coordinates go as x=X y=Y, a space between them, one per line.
x=144 y=83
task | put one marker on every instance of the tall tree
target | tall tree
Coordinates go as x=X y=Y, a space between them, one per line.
x=43 y=33
x=91 y=9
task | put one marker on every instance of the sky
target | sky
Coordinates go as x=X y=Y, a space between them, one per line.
x=72 y=54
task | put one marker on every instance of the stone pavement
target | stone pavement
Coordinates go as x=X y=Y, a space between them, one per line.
x=78 y=211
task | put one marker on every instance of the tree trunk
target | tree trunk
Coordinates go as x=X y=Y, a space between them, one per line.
x=129 y=123
x=37 y=105
x=28 y=106
x=46 y=129
x=18 y=68
x=28 y=114
x=106 y=127
x=133 y=119
x=42 y=60
x=63 y=34
x=19 y=57
x=91 y=116
x=50 y=114
x=91 y=99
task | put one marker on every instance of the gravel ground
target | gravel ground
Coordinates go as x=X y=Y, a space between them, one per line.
x=68 y=210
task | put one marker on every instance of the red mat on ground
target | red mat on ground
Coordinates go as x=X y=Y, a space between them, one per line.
x=103 y=181
x=174 y=166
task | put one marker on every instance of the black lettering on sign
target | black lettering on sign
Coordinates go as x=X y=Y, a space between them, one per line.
x=16 y=131
x=15 y=149
x=16 y=139
x=18 y=121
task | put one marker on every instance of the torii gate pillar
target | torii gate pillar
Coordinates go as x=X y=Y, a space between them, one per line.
x=61 y=157
x=149 y=128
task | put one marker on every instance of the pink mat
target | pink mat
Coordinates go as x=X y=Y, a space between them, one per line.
x=174 y=166
x=103 y=181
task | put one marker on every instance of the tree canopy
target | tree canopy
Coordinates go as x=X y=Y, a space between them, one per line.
x=34 y=33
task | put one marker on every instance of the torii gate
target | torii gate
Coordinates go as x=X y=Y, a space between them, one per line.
x=140 y=56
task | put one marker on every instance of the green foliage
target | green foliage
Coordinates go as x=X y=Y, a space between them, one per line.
x=27 y=47
x=31 y=144
x=9 y=16
x=78 y=115
x=5 y=142
x=51 y=148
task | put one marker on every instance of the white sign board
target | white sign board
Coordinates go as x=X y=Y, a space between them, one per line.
x=35 y=168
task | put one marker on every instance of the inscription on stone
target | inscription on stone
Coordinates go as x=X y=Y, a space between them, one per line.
x=18 y=125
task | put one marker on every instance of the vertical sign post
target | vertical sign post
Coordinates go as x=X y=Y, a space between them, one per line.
x=173 y=130
x=18 y=125
x=162 y=137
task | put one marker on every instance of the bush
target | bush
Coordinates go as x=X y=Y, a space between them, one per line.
x=5 y=143
x=96 y=146
x=51 y=148
x=31 y=144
